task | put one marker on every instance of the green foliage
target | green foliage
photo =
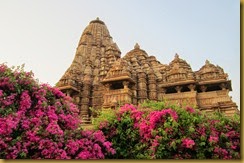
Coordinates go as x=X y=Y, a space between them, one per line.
x=102 y=116
x=153 y=105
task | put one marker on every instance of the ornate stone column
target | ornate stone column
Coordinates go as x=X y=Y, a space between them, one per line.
x=152 y=87
x=134 y=95
x=142 y=87
x=178 y=89
x=95 y=98
x=86 y=96
x=203 y=88
x=161 y=93
x=134 y=88
x=107 y=86
x=192 y=87
x=125 y=84
x=223 y=86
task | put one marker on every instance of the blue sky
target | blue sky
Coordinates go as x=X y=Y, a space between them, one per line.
x=44 y=34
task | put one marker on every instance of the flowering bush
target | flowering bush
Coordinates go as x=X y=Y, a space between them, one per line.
x=38 y=121
x=171 y=133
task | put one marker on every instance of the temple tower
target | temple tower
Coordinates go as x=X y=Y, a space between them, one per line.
x=95 y=55
x=145 y=72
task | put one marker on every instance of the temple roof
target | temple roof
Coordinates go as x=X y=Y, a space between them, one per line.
x=137 y=51
x=211 y=73
x=177 y=71
x=120 y=70
x=97 y=20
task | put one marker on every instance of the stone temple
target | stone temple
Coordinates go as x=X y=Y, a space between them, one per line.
x=99 y=77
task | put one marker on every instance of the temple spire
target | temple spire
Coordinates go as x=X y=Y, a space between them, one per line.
x=176 y=55
x=137 y=46
x=207 y=62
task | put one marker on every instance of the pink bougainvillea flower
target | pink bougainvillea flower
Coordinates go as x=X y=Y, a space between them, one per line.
x=213 y=139
x=188 y=143
x=190 y=110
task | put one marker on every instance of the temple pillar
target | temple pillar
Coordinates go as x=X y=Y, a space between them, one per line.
x=107 y=86
x=178 y=89
x=142 y=87
x=203 y=88
x=134 y=95
x=85 y=101
x=125 y=84
x=152 y=87
x=192 y=87
x=223 y=86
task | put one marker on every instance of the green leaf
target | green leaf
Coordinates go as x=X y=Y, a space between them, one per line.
x=191 y=129
x=175 y=124
x=202 y=144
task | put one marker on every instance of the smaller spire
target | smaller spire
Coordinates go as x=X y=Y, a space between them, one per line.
x=176 y=56
x=207 y=62
x=137 y=46
x=97 y=20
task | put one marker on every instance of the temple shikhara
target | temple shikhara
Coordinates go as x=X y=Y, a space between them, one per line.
x=100 y=78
